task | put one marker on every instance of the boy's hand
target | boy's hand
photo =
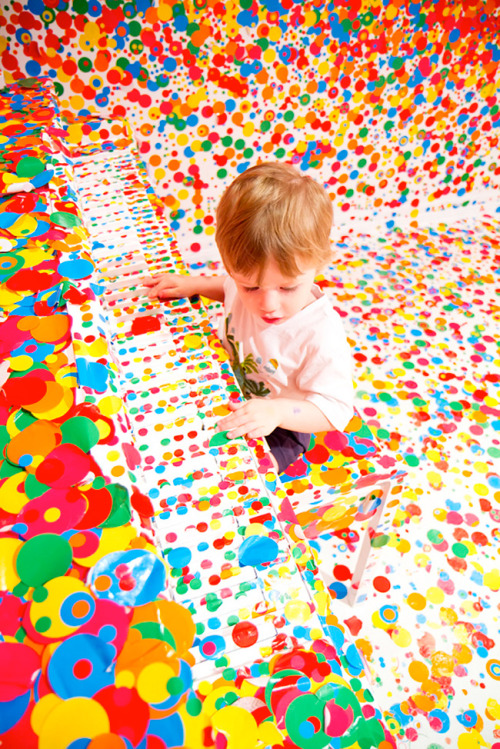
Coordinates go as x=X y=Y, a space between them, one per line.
x=169 y=286
x=253 y=418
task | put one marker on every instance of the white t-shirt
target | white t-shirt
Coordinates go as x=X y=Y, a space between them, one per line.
x=306 y=357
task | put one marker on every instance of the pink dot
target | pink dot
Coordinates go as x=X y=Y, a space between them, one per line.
x=208 y=648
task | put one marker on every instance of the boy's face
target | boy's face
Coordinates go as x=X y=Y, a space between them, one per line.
x=275 y=298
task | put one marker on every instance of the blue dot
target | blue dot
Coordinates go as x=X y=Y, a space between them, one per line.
x=180 y=557
x=304 y=684
x=339 y=589
x=306 y=730
x=33 y=68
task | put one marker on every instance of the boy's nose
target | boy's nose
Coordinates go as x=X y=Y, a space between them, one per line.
x=269 y=302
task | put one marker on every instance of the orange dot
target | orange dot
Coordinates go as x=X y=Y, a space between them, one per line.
x=28 y=323
x=107 y=741
x=102 y=583
x=77 y=540
x=418 y=671
x=81 y=609
x=416 y=601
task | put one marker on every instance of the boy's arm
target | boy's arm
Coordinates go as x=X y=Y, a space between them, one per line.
x=258 y=417
x=174 y=286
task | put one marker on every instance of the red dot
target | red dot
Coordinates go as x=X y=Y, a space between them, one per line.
x=82 y=669
x=341 y=572
x=245 y=634
x=381 y=584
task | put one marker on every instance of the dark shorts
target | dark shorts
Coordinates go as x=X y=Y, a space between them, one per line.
x=286 y=446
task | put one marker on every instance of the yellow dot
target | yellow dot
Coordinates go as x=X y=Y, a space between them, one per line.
x=204 y=688
x=481 y=489
x=255 y=529
x=435 y=595
x=113 y=455
x=297 y=611
x=110 y=405
x=125 y=679
x=21 y=363
x=401 y=637
x=421 y=560
x=52 y=514
x=152 y=682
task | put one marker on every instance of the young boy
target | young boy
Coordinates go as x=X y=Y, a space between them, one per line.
x=287 y=345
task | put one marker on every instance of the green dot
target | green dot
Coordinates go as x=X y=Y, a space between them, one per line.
x=20 y=634
x=40 y=594
x=435 y=537
x=288 y=116
x=175 y=685
x=43 y=624
x=412 y=460
x=181 y=588
x=408 y=365
x=229 y=674
x=418 y=402
x=29 y=166
x=195 y=583
x=280 y=153
x=380 y=541
x=20 y=590
x=232 y=620
x=193 y=707
x=355 y=685
x=85 y=64
x=239 y=144
x=456 y=406
x=99 y=482
x=460 y=550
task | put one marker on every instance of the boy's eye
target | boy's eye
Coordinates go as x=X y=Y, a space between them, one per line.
x=288 y=288
x=250 y=288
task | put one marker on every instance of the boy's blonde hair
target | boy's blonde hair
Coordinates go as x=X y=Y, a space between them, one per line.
x=273 y=212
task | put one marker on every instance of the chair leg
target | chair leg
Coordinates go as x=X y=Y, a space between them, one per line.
x=366 y=544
